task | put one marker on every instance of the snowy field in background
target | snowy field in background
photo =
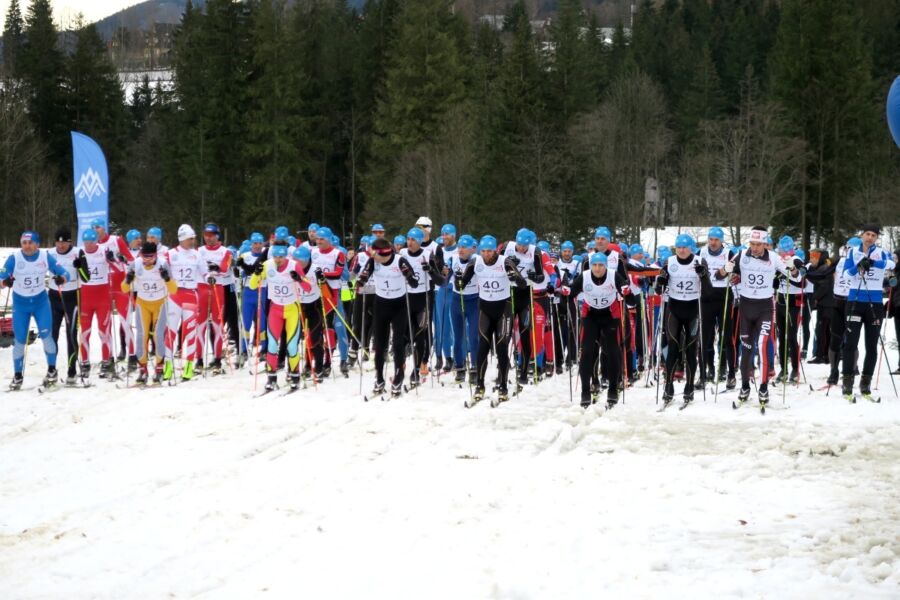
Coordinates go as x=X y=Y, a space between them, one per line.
x=203 y=491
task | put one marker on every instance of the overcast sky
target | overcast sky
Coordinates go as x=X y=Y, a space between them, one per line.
x=64 y=11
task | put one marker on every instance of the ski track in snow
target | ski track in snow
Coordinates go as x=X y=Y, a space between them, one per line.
x=203 y=491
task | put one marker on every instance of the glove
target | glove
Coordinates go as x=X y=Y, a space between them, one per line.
x=164 y=273
x=457 y=283
x=8 y=282
x=236 y=272
x=59 y=280
x=700 y=269
x=320 y=276
x=659 y=289
x=121 y=257
x=213 y=268
x=802 y=271
x=130 y=277
x=295 y=276
x=729 y=267
x=515 y=260
x=405 y=270
x=735 y=279
x=532 y=275
x=426 y=266
x=565 y=290
x=625 y=290
x=110 y=256
x=80 y=263
x=211 y=280
x=864 y=264
x=662 y=280
x=258 y=267
x=240 y=262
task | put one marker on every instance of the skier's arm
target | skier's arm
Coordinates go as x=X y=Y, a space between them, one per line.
x=123 y=250
x=407 y=271
x=434 y=272
x=338 y=268
x=366 y=273
x=257 y=279
x=467 y=276
x=577 y=286
x=512 y=272
x=536 y=274
x=8 y=268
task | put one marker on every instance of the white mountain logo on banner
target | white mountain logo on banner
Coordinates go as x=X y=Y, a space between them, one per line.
x=89 y=185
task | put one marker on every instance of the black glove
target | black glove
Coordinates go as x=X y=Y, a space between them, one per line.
x=426 y=266
x=240 y=262
x=213 y=268
x=211 y=280
x=8 y=282
x=295 y=275
x=59 y=280
x=458 y=282
x=164 y=273
x=236 y=272
x=80 y=263
x=659 y=289
x=258 y=267
x=532 y=275
x=110 y=256
x=129 y=277
x=662 y=280
x=515 y=260
x=121 y=257
x=320 y=276
x=361 y=281
x=864 y=264
x=700 y=269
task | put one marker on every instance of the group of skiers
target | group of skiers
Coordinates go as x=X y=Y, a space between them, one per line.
x=453 y=305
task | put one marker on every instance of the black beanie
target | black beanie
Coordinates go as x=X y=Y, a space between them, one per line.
x=63 y=235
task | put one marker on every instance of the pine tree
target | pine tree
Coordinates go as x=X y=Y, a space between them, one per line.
x=570 y=78
x=821 y=74
x=13 y=39
x=703 y=99
x=41 y=68
x=424 y=80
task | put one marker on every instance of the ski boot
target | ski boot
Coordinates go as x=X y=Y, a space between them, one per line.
x=473 y=376
x=132 y=363
x=478 y=395
x=559 y=368
x=865 y=387
x=158 y=374
x=688 y=397
x=460 y=376
x=596 y=388
x=319 y=375
x=522 y=378
x=52 y=377
x=187 y=372
x=345 y=368
x=604 y=383
x=397 y=388
x=502 y=394
x=668 y=393
x=794 y=378
x=731 y=382
x=744 y=394
x=847 y=389
x=782 y=378
x=414 y=379
x=326 y=372
x=271 y=382
x=71 y=381
x=294 y=381
x=448 y=366
x=612 y=398
x=216 y=367
x=763 y=394
x=168 y=371
x=586 y=399
x=378 y=388
x=548 y=368
x=351 y=358
x=143 y=376
x=106 y=368
x=710 y=374
x=438 y=362
x=16 y=383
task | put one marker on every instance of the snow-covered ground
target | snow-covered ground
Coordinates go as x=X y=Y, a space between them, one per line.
x=203 y=491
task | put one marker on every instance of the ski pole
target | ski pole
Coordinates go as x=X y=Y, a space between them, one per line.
x=411 y=335
x=718 y=357
x=465 y=325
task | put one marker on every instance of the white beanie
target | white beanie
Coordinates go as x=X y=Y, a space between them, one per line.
x=186 y=232
x=424 y=222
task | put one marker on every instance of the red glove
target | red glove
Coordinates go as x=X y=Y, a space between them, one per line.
x=564 y=290
x=735 y=279
x=625 y=290
x=305 y=286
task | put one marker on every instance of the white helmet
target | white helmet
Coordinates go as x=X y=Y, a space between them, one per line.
x=186 y=232
x=424 y=222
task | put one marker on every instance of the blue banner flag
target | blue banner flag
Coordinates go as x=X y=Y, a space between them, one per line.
x=91 y=182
